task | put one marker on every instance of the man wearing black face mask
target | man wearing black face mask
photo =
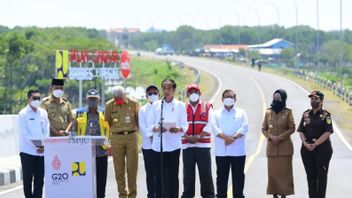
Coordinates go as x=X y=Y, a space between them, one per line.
x=90 y=121
x=316 y=151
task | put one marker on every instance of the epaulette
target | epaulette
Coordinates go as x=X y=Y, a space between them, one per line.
x=326 y=112
x=46 y=99
x=132 y=100
x=288 y=108
x=64 y=99
x=110 y=101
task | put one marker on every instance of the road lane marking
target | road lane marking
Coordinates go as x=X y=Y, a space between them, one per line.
x=261 y=141
x=11 y=190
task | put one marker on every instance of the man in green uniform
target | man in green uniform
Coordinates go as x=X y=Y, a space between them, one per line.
x=121 y=113
x=59 y=109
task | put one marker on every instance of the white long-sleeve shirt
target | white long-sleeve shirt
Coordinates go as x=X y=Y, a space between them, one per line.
x=143 y=125
x=230 y=123
x=173 y=112
x=32 y=125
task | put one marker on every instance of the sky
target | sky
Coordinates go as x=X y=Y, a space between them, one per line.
x=169 y=14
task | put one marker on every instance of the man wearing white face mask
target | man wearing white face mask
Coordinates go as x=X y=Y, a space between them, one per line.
x=196 y=145
x=59 y=109
x=230 y=128
x=33 y=123
x=152 y=94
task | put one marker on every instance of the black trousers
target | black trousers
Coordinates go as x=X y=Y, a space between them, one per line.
x=171 y=167
x=223 y=165
x=149 y=170
x=101 y=173
x=32 y=168
x=202 y=158
x=316 y=164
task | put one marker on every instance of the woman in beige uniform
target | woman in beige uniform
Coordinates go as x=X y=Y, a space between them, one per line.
x=278 y=126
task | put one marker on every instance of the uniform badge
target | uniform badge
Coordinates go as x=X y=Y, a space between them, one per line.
x=128 y=119
x=328 y=120
x=115 y=120
x=321 y=115
x=52 y=114
x=271 y=126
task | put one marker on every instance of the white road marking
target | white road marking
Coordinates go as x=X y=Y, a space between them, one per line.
x=261 y=140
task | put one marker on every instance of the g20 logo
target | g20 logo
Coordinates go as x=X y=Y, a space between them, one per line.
x=59 y=176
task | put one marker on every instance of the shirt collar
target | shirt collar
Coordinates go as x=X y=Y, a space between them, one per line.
x=29 y=109
x=231 y=110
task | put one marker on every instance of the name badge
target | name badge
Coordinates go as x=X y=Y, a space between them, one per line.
x=271 y=126
x=128 y=119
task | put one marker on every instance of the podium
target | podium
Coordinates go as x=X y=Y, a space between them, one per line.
x=70 y=166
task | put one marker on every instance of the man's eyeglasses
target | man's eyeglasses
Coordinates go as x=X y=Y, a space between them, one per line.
x=152 y=93
x=35 y=98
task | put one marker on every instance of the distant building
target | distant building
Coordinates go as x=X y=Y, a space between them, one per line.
x=223 y=50
x=272 y=47
x=122 y=36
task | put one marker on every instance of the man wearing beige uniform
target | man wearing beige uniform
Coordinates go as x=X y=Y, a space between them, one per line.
x=121 y=113
x=59 y=109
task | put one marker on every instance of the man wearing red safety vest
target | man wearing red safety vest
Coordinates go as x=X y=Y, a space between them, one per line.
x=196 y=145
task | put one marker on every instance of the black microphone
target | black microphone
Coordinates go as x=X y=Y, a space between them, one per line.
x=161 y=149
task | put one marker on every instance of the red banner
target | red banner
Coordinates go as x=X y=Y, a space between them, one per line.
x=96 y=56
x=125 y=65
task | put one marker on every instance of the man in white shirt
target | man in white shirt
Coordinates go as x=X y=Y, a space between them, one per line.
x=231 y=126
x=172 y=113
x=196 y=145
x=33 y=123
x=152 y=95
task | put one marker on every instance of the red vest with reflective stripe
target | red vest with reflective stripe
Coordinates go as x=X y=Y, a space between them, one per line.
x=197 y=121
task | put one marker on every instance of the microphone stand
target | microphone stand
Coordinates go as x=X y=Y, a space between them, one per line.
x=161 y=150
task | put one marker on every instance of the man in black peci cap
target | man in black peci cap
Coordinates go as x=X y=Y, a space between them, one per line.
x=58 y=108
x=315 y=129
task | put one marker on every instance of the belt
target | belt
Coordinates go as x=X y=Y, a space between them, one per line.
x=123 y=133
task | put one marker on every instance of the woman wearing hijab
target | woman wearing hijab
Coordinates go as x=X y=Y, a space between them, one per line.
x=278 y=125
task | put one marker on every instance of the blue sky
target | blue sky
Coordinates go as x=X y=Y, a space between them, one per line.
x=169 y=14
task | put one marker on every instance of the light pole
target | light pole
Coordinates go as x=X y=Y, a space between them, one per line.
x=341 y=47
x=276 y=10
x=238 y=23
x=258 y=18
x=296 y=10
x=318 y=40
x=277 y=15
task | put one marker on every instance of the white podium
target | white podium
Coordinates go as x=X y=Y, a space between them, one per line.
x=70 y=166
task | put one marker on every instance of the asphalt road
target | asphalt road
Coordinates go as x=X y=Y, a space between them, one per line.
x=254 y=93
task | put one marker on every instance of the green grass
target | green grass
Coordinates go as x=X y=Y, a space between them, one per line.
x=147 y=71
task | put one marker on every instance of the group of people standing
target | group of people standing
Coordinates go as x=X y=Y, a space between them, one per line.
x=168 y=126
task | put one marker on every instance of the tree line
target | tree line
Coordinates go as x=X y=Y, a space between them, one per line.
x=27 y=60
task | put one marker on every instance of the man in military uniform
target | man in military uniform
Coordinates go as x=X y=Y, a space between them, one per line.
x=315 y=129
x=59 y=109
x=121 y=113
